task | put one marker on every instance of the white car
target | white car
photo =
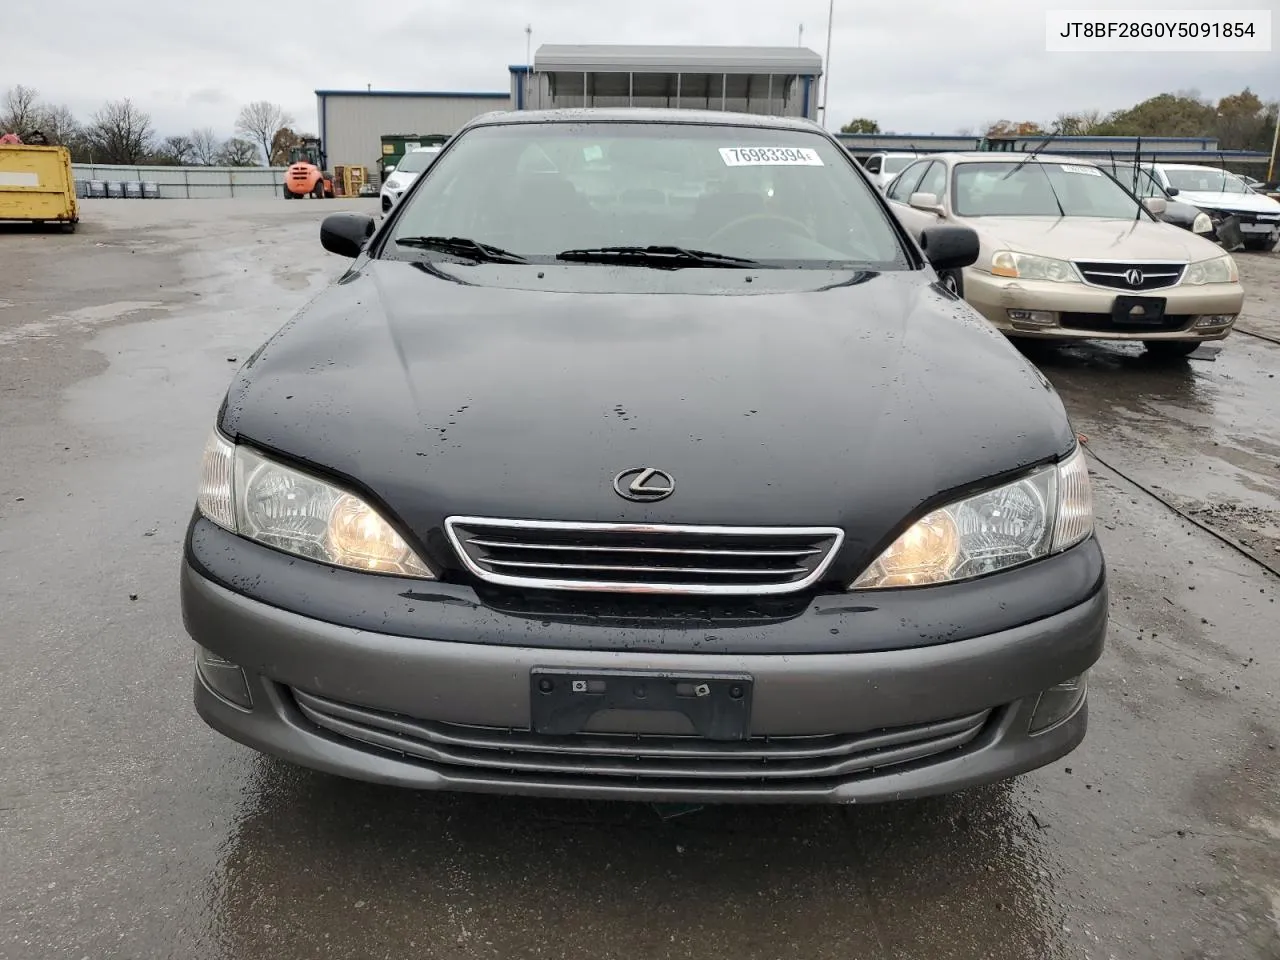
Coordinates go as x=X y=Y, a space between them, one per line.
x=1222 y=194
x=405 y=172
x=883 y=167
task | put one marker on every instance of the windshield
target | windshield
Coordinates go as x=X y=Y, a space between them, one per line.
x=786 y=197
x=415 y=161
x=1039 y=189
x=896 y=164
x=1138 y=180
x=1205 y=181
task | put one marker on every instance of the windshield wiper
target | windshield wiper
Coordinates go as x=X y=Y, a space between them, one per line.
x=463 y=247
x=1031 y=156
x=657 y=256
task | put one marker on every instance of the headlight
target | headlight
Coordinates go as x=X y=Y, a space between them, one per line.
x=1023 y=266
x=1217 y=270
x=246 y=493
x=1044 y=513
x=1202 y=224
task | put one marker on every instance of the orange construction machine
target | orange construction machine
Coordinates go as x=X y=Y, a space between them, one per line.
x=306 y=175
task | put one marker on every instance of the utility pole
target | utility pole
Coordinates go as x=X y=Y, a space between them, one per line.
x=800 y=41
x=1275 y=142
x=826 y=63
x=528 y=62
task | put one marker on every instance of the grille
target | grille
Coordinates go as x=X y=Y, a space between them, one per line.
x=1105 y=323
x=1155 y=276
x=682 y=759
x=644 y=558
x=1253 y=216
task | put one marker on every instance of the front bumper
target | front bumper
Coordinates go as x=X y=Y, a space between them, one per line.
x=1083 y=311
x=446 y=715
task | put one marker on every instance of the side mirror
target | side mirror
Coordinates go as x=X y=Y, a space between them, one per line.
x=928 y=202
x=1171 y=191
x=346 y=233
x=1156 y=205
x=949 y=248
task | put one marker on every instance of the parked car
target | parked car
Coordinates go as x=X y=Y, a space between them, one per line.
x=883 y=167
x=407 y=170
x=1067 y=253
x=1224 y=195
x=720 y=500
x=1141 y=182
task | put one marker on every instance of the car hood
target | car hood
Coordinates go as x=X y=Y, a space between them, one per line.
x=1083 y=238
x=853 y=406
x=1253 y=202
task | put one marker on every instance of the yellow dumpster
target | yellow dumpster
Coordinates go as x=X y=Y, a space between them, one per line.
x=36 y=184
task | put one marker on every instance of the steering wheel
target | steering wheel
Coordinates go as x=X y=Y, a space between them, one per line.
x=794 y=226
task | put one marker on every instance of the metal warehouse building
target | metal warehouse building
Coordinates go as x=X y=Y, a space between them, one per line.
x=353 y=122
x=767 y=80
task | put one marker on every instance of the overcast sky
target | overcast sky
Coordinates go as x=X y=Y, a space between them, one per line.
x=917 y=66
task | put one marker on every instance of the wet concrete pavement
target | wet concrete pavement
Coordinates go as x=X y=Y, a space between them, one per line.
x=127 y=829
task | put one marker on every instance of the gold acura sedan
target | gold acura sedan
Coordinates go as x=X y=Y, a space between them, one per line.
x=1068 y=253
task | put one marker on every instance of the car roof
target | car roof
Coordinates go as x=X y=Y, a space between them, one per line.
x=1193 y=166
x=644 y=115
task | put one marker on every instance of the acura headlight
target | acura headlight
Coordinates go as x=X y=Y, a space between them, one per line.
x=1044 y=513
x=1024 y=266
x=260 y=499
x=1217 y=270
x=1203 y=223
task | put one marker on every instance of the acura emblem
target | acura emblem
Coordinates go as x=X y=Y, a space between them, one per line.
x=1134 y=277
x=643 y=484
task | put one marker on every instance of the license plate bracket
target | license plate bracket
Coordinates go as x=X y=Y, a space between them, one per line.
x=562 y=702
x=1138 y=311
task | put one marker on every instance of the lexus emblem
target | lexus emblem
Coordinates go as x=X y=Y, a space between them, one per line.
x=1134 y=277
x=643 y=484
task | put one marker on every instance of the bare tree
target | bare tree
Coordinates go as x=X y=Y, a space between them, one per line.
x=237 y=152
x=120 y=133
x=19 y=110
x=260 y=121
x=204 y=147
x=175 y=151
x=59 y=125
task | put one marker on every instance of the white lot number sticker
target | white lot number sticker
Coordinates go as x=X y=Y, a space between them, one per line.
x=1076 y=168
x=770 y=157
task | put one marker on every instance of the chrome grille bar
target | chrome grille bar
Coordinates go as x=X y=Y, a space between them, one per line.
x=1113 y=274
x=643 y=558
x=629 y=568
x=621 y=549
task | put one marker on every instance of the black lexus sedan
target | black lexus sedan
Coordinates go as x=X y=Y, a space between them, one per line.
x=641 y=455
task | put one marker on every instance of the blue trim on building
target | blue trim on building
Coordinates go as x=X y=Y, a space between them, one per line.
x=474 y=94
x=808 y=82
